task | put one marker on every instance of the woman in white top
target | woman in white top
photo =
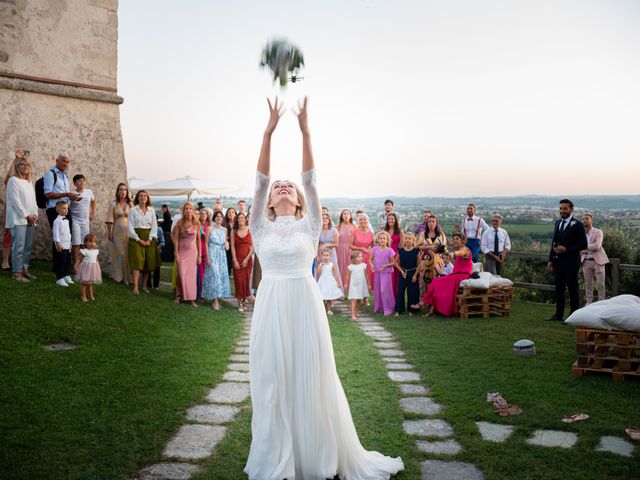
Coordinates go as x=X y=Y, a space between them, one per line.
x=301 y=426
x=143 y=234
x=21 y=217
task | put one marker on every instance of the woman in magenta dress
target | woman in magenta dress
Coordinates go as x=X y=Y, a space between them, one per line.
x=382 y=262
x=443 y=291
x=205 y=224
x=362 y=241
x=187 y=254
x=345 y=230
x=393 y=229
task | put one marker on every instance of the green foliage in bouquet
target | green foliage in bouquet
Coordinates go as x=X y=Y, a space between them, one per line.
x=282 y=58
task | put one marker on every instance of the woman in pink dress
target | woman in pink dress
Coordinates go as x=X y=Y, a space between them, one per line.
x=393 y=228
x=205 y=224
x=345 y=230
x=362 y=241
x=187 y=253
x=382 y=262
x=443 y=291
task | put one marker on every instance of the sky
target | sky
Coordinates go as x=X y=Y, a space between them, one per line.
x=406 y=98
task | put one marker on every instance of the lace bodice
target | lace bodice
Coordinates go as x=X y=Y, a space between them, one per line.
x=286 y=246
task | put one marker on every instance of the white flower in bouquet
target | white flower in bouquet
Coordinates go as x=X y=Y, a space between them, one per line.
x=282 y=58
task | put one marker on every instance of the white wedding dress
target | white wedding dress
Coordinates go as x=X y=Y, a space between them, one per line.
x=302 y=427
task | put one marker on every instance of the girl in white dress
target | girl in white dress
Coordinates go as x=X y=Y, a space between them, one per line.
x=302 y=427
x=357 y=281
x=328 y=278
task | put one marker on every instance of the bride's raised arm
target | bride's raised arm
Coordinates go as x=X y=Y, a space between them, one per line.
x=308 y=171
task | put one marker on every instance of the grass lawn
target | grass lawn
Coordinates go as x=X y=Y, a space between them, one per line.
x=105 y=410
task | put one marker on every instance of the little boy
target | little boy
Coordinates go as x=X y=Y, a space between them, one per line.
x=62 y=244
x=82 y=212
x=447 y=269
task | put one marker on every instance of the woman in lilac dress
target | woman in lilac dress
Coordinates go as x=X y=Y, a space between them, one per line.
x=345 y=230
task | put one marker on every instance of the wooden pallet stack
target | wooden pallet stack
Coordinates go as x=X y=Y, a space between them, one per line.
x=477 y=302
x=613 y=352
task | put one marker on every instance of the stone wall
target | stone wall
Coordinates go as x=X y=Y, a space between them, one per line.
x=42 y=45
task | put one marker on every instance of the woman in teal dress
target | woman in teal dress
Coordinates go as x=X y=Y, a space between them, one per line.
x=216 y=276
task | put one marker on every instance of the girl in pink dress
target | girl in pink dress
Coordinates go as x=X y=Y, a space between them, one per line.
x=187 y=254
x=443 y=291
x=392 y=227
x=345 y=230
x=362 y=241
x=205 y=224
x=88 y=271
x=382 y=262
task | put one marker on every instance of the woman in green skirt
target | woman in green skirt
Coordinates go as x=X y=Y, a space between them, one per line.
x=143 y=251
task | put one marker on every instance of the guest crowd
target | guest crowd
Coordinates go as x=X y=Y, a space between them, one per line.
x=405 y=270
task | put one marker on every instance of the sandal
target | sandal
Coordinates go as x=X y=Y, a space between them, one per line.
x=576 y=417
x=508 y=410
x=633 y=432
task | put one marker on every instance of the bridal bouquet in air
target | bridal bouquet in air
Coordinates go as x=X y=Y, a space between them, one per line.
x=282 y=59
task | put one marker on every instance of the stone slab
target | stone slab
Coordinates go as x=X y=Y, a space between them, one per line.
x=439 y=470
x=240 y=357
x=236 y=376
x=59 y=347
x=404 y=376
x=616 y=445
x=394 y=359
x=409 y=389
x=169 y=471
x=229 y=392
x=494 y=432
x=195 y=442
x=391 y=353
x=442 y=447
x=386 y=344
x=212 y=413
x=372 y=328
x=420 y=405
x=428 y=428
x=242 y=367
x=553 y=438
x=243 y=343
x=399 y=366
x=379 y=335
x=241 y=350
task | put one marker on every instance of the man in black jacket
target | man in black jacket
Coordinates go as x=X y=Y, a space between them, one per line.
x=569 y=238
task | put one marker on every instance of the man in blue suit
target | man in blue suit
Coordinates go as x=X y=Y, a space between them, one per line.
x=569 y=239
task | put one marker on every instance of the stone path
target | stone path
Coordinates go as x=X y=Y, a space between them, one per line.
x=206 y=424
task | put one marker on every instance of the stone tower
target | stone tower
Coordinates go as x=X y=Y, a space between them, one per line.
x=58 y=94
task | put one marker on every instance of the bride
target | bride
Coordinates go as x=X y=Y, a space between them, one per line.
x=302 y=427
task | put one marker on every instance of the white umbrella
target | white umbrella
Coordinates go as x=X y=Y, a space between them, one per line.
x=136 y=184
x=189 y=186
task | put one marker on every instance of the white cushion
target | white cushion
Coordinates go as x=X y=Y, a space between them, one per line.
x=623 y=316
x=589 y=317
x=482 y=282
x=498 y=281
x=617 y=313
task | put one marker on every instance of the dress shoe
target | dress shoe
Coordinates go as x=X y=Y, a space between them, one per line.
x=554 y=318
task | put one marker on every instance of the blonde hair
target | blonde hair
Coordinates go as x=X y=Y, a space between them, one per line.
x=14 y=172
x=385 y=234
x=301 y=210
x=195 y=220
x=410 y=235
x=355 y=254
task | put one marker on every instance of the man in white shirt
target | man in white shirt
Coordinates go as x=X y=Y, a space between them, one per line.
x=82 y=211
x=472 y=227
x=495 y=245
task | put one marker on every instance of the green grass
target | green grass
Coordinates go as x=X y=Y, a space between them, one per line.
x=107 y=409
x=462 y=360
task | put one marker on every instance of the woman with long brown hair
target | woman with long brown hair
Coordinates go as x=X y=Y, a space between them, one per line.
x=241 y=252
x=143 y=234
x=345 y=228
x=118 y=234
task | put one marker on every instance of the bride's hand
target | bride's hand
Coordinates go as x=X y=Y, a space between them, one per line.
x=275 y=112
x=302 y=116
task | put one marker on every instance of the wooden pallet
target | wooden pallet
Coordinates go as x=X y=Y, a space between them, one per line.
x=612 y=352
x=477 y=302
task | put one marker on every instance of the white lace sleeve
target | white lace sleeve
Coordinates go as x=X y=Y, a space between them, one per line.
x=257 y=218
x=314 y=210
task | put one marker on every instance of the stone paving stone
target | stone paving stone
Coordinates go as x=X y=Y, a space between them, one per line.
x=404 y=376
x=553 y=438
x=169 y=471
x=229 y=392
x=58 y=347
x=391 y=353
x=494 y=432
x=616 y=445
x=243 y=343
x=409 y=389
x=212 y=413
x=399 y=366
x=443 y=447
x=236 y=376
x=194 y=442
x=372 y=328
x=241 y=350
x=240 y=357
x=421 y=405
x=386 y=344
x=380 y=335
x=243 y=367
x=428 y=428
x=394 y=359
x=439 y=470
